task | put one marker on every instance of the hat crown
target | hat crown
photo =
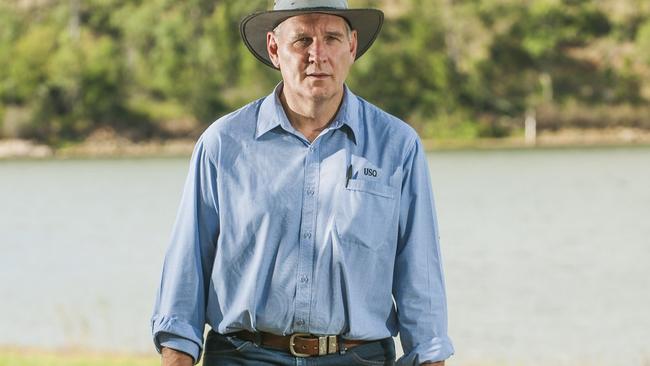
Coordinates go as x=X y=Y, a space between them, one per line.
x=302 y=4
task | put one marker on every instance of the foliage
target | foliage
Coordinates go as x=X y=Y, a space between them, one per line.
x=643 y=42
x=459 y=69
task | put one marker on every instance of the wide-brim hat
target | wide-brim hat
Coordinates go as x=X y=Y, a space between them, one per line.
x=254 y=27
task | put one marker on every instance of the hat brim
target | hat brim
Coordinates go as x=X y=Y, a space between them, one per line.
x=253 y=28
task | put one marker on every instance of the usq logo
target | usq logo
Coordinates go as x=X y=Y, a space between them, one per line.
x=369 y=172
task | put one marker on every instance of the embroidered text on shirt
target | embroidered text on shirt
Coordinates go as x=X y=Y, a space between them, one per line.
x=370 y=172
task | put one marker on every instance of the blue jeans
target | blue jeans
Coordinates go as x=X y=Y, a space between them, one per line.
x=223 y=350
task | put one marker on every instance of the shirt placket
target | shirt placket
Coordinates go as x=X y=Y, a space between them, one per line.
x=307 y=241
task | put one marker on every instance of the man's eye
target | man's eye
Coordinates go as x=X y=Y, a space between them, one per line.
x=303 y=41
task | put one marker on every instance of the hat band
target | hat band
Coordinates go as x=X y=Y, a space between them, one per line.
x=309 y=4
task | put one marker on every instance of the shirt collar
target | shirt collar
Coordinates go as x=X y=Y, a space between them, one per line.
x=272 y=114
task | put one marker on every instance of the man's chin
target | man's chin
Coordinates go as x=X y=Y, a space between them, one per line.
x=318 y=92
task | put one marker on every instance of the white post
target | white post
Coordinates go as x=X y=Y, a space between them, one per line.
x=530 y=128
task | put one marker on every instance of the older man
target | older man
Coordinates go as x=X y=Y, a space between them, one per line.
x=306 y=233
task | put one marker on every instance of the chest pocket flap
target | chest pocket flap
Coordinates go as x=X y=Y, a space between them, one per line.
x=363 y=213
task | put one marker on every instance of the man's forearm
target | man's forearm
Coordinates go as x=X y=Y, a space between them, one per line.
x=439 y=363
x=172 y=357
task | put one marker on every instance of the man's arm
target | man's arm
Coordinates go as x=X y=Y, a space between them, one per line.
x=172 y=357
x=179 y=315
x=418 y=282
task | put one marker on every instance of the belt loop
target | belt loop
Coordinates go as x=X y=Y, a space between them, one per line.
x=258 y=338
x=342 y=348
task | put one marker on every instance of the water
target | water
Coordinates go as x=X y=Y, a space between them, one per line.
x=547 y=253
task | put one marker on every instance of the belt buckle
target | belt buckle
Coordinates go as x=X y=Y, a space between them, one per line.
x=292 y=344
x=326 y=344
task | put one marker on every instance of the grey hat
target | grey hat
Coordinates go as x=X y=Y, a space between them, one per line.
x=253 y=28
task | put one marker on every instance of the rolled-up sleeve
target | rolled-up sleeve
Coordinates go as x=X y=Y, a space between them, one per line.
x=418 y=285
x=178 y=320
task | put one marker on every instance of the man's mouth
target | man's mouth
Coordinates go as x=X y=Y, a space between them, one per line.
x=318 y=75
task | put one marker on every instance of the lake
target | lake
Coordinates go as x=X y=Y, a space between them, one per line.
x=546 y=253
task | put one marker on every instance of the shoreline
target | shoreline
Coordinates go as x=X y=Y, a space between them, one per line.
x=12 y=149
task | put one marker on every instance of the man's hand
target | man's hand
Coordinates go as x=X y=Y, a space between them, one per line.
x=172 y=357
x=439 y=363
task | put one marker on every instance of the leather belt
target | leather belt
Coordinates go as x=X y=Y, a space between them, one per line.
x=300 y=344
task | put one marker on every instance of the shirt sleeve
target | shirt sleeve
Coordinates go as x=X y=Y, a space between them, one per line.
x=418 y=285
x=179 y=311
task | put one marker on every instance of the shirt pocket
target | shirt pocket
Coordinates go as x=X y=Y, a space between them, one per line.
x=363 y=213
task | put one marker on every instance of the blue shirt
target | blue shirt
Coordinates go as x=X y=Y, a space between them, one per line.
x=281 y=235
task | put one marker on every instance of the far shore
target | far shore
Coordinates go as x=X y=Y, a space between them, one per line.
x=115 y=147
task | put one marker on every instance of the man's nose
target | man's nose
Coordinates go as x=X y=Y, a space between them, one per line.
x=317 y=51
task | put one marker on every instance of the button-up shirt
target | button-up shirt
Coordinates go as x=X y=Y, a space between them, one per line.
x=279 y=234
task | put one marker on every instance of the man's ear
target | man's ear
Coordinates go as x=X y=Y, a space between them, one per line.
x=353 y=44
x=272 y=48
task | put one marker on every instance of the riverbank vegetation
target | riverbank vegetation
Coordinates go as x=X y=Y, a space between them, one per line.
x=454 y=69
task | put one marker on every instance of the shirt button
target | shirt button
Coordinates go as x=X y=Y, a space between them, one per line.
x=310 y=192
x=300 y=322
x=304 y=279
x=306 y=235
x=312 y=148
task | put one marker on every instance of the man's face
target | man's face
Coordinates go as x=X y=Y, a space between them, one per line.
x=314 y=53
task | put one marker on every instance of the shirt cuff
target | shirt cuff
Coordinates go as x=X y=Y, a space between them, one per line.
x=178 y=329
x=438 y=349
x=179 y=344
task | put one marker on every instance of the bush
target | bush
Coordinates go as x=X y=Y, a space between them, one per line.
x=553 y=117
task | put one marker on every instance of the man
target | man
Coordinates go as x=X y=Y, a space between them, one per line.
x=304 y=214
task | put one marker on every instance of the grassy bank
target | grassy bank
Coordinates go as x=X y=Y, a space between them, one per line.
x=25 y=357
x=112 y=147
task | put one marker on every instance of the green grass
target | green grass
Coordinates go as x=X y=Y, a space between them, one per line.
x=40 y=358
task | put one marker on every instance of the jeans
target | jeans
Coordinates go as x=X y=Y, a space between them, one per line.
x=224 y=350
